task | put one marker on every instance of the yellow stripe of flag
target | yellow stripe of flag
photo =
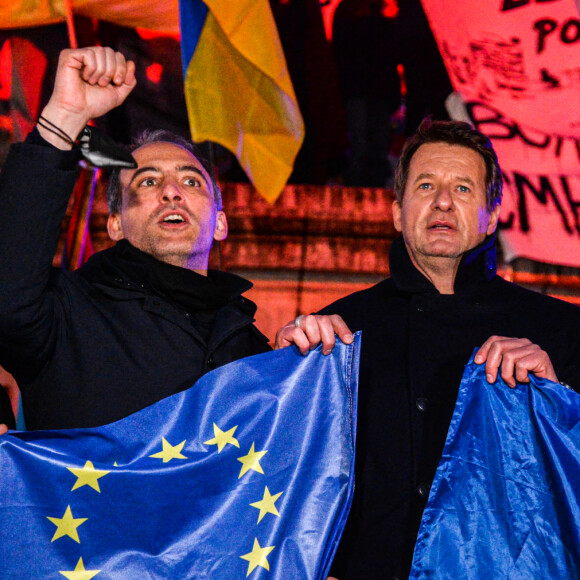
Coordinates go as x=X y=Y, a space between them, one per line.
x=239 y=93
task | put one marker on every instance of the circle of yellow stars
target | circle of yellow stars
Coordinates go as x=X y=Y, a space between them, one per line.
x=68 y=525
x=267 y=505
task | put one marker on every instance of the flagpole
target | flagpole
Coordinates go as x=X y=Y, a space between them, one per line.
x=78 y=246
x=70 y=25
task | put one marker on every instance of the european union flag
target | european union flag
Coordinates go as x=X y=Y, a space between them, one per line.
x=505 y=501
x=248 y=473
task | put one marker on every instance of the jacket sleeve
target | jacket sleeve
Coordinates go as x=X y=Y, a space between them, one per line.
x=569 y=374
x=35 y=184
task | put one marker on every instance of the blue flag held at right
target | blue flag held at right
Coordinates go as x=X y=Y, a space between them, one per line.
x=505 y=501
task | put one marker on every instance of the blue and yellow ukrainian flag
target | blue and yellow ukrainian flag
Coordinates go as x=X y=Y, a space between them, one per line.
x=237 y=87
x=247 y=474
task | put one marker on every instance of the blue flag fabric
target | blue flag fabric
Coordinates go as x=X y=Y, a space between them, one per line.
x=505 y=501
x=248 y=473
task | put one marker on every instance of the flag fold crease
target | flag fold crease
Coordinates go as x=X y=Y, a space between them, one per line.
x=247 y=473
x=505 y=501
x=238 y=90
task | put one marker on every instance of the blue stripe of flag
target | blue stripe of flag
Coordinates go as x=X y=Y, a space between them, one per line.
x=192 y=14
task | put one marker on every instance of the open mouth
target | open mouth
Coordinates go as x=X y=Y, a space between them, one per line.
x=442 y=227
x=173 y=218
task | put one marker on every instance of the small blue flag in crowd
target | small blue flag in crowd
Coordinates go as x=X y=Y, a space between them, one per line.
x=505 y=502
x=247 y=474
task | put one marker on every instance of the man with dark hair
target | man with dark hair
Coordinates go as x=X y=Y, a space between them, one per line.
x=115 y=189
x=140 y=321
x=420 y=327
x=460 y=134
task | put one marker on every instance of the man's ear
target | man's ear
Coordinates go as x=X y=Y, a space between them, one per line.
x=397 y=215
x=114 y=227
x=493 y=219
x=221 y=227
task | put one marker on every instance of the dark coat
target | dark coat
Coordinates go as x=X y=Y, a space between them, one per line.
x=89 y=347
x=415 y=343
x=6 y=414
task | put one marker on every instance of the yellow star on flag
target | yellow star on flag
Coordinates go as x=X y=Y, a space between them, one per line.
x=79 y=573
x=251 y=461
x=67 y=526
x=87 y=475
x=170 y=451
x=222 y=438
x=257 y=557
x=267 y=504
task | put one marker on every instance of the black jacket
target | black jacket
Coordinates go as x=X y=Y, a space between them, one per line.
x=415 y=344
x=6 y=414
x=92 y=346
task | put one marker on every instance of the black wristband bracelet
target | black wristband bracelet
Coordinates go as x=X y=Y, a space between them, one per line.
x=52 y=128
x=95 y=147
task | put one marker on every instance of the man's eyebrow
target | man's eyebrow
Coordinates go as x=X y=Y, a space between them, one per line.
x=424 y=175
x=143 y=170
x=428 y=175
x=193 y=169
x=465 y=179
x=181 y=168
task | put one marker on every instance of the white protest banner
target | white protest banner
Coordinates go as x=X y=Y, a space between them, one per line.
x=516 y=64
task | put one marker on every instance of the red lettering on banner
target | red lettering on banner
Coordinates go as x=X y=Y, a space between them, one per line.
x=544 y=192
x=574 y=203
x=569 y=31
x=513 y=4
x=491 y=122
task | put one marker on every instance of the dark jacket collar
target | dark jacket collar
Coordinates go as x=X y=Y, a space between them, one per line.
x=476 y=266
x=126 y=267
